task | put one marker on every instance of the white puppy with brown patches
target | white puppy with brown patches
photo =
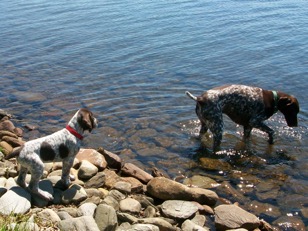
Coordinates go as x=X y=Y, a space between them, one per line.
x=62 y=146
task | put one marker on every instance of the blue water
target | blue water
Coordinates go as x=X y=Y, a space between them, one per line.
x=132 y=61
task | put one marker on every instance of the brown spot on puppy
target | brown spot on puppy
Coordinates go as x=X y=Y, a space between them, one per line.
x=46 y=152
x=63 y=151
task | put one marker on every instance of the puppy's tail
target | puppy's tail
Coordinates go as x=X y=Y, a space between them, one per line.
x=14 y=154
x=191 y=95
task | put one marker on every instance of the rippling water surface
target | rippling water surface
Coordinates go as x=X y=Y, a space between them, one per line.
x=132 y=61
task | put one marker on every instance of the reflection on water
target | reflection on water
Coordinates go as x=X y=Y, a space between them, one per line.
x=132 y=63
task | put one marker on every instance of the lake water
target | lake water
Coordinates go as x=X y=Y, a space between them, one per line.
x=131 y=62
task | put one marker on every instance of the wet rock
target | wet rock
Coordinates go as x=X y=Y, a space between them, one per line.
x=200 y=182
x=75 y=194
x=93 y=157
x=134 y=171
x=130 y=205
x=87 y=170
x=84 y=223
x=97 y=181
x=16 y=200
x=290 y=223
x=178 y=209
x=167 y=189
x=233 y=217
x=260 y=209
x=106 y=217
x=113 y=160
x=228 y=191
x=215 y=164
x=267 y=190
x=188 y=225
x=162 y=224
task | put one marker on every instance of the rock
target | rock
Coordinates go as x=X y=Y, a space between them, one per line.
x=97 y=181
x=87 y=170
x=123 y=187
x=116 y=195
x=167 y=189
x=2 y=191
x=87 y=209
x=178 y=209
x=143 y=227
x=290 y=223
x=111 y=178
x=134 y=171
x=13 y=141
x=162 y=224
x=75 y=194
x=93 y=157
x=136 y=185
x=200 y=182
x=130 y=205
x=10 y=183
x=16 y=200
x=106 y=217
x=84 y=223
x=48 y=217
x=188 y=225
x=64 y=215
x=233 y=217
x=7 y=125
x=149 y=212
x=113 y=160
x=109 y=200
x=5 y=148
x=45 y=185
x=125 y=217
x=215 y=164
x=4 y=133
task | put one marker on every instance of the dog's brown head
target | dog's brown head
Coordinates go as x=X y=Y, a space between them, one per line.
x=86 y=120
x=289 y=106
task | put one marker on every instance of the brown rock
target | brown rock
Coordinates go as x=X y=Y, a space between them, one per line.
x=7 y=125
x=93 y=157
x=113 y=160
x=6 y=148
x=167 y=189
x=110 y=178
x=136 y=185
x=13 y=141
x=134 y=171
x=7 y=133
x=97 y=181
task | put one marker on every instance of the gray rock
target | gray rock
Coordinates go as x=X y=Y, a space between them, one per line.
x=75 y=194
x=149 y=212
x=162 y=224
x=85 y=223
x=16 y=200
x=290 y=223
x=143 y=227
x=125 y=217
x=48 y=217
x=37 y=201
x=87 y=209
x=116 y=195
x=130 y=205
x=97 y=181
x=234 y=217
x=123 y=187
x=10 y=183
x=106 y=217
x=64 y=215
x=188 y=225
x=87 y=170
x=167 y=189
x=112 y=202
x=179 y=209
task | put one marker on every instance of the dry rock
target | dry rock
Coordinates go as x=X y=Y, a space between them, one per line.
x=179 y=209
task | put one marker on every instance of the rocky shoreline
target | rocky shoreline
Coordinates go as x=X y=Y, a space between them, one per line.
x=109 y=194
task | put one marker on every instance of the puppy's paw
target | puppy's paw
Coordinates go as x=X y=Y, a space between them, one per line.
x=45 y=195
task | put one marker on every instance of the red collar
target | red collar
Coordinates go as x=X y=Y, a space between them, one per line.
x=74 y=132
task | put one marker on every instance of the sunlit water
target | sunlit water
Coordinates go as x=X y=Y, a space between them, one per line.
x=132 y=61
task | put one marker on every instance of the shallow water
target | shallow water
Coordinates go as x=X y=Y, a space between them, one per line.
x=132 y=61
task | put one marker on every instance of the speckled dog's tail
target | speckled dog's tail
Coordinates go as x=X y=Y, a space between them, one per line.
x=191 y=95
x=14 y=154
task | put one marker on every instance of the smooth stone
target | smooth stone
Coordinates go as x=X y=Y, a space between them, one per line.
x=93 y=157
x=179 y=209
x=84 y=223
x=87 y=170
x=75 y=194
x=234 y=217
x=106 y=217
x=188 y=225
x=16 y=200
x=48 y=217
x=97 y=181
x=200 y=182
x=162 y=224
x=87 y=209
x=130 y=205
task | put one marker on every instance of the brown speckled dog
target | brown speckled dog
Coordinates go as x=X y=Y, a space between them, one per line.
x=59 y=146
x=245 y=105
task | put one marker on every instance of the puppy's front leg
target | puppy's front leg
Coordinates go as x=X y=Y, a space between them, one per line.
x=67 y=164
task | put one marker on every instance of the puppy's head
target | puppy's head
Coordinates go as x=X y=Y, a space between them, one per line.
x=289 y=106
x=86 y=120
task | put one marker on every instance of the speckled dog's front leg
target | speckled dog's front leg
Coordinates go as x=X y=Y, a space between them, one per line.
x=67 y=164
